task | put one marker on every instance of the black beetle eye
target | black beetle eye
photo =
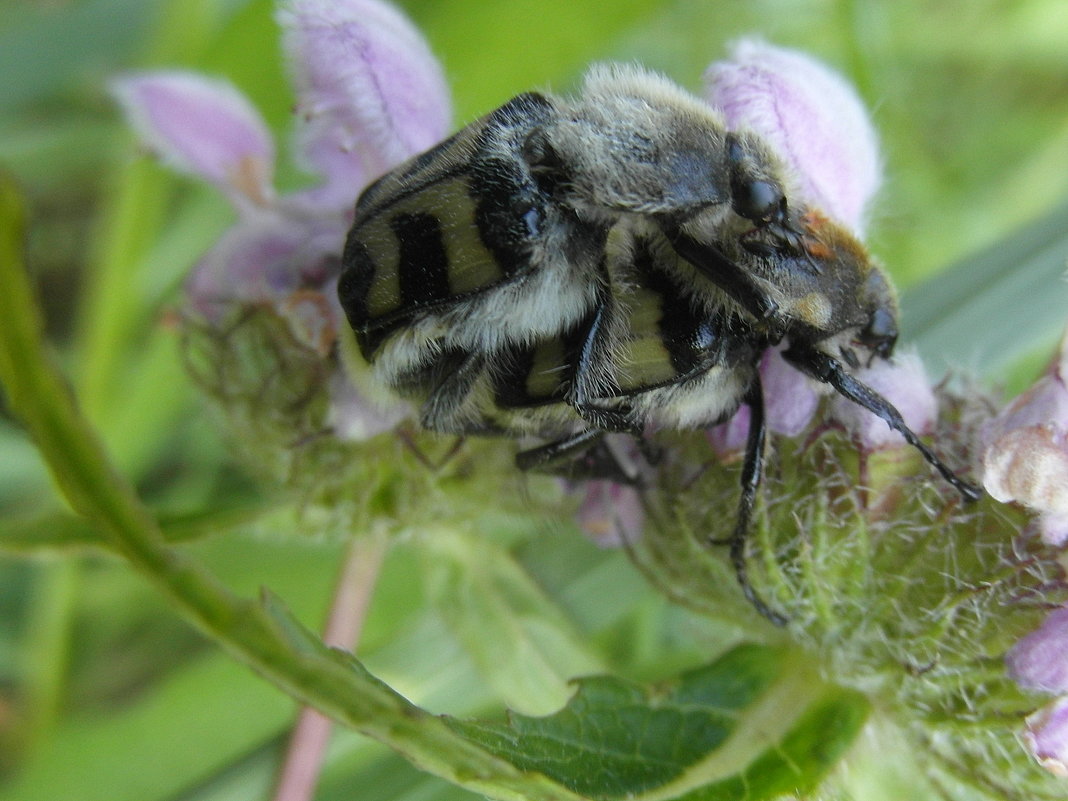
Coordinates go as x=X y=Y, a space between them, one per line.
x=759 y=201
x=755 y=199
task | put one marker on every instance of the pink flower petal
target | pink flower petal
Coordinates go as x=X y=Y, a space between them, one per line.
x=810 y=115
x=1047 y=737
x=264 y=259
x=729 y=438
x=311 y=319
x=1040 y=660
x=1044 y=404
x=790 y=401
x=611 y=514
x=1026 y=451
x=1054 y=528
x=789 y=396
x=371 y=93
x=201 y=126
x=354 y=417
x=903 y=383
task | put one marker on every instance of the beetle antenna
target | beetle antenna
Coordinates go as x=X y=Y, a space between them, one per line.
x=830 y=371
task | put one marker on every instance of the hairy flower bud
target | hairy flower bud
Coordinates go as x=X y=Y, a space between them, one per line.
x=1026 y=455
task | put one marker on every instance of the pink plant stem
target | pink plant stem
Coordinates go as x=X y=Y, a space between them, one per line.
x=311 y=734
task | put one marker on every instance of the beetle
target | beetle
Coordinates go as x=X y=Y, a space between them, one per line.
x=614 y=262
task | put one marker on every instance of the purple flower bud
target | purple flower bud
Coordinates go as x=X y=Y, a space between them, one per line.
x=370 y=92
x=1040 y=660
x=1047 y=737
x=810 y=115
x=204 y=127
x=1044 y=404
x=1026 y=452
x=903 y=383
x=1030 y=466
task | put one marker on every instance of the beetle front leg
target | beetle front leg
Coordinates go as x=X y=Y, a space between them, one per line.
x=737 y=282
x=752 y=475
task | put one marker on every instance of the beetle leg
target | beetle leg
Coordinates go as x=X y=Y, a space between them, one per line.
x=440 y=408
x=593 y=355
x=551 y=454
x=752 y=474
x=737 y=282
x=587 y=455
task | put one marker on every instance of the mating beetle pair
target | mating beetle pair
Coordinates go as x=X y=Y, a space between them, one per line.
x=614 y=262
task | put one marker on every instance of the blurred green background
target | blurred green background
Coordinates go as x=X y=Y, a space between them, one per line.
x=104 y=693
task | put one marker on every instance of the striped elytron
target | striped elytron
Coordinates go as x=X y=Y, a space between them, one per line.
x=609 y=263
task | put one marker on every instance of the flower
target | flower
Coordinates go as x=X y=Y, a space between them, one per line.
x=1047 y=737
x=370 y=94
x=1025 y=460
x=810 y=115
x=203 y=127
x=610 y=514
x=791 y=400
x=814 y=120
x=1025 y=457
x=1040 y=660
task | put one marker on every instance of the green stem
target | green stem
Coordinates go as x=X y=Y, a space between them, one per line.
x=47 y=647
x=263 y=638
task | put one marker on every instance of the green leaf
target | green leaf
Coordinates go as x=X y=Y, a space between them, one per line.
x=747 y=726
x=996 y=307
x=519 y=640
